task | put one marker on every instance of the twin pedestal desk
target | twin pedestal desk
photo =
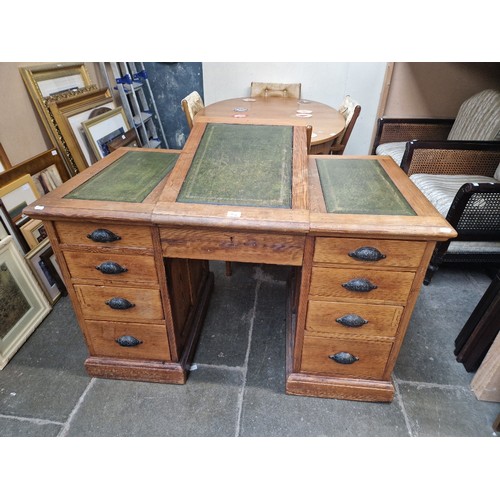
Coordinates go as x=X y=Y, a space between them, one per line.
x=134 y=234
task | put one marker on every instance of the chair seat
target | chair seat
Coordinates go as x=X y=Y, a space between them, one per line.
x=440 y=190
x=394 y=149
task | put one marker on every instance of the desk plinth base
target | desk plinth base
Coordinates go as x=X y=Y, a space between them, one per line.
x=142 y=371
x=165 y=372
x=300 y=384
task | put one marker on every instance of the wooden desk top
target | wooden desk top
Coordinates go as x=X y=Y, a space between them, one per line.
x=326 y=121
x=321 y=195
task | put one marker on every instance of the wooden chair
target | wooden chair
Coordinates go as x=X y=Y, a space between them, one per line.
x=192 y=104
x=456 y=165
x=350 y=110
x=262 y=89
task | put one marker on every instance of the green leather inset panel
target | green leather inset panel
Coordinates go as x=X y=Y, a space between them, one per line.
x=243 y=165
x=352 y=186
x=130 y=178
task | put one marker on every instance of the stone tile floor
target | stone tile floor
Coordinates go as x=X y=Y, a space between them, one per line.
x=237 y=388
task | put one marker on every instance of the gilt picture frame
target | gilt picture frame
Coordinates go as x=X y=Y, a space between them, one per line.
x=59 y=80
x=69 y=113
x=17 y=195
x=34 y=233
x=23 y=305
x=104 y=128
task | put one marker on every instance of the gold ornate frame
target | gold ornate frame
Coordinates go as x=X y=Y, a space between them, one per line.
x=63 y=109
x=56 y=81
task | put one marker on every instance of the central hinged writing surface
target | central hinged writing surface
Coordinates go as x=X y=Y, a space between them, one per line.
x=360 y=186
x=241 y=165
x=130 y=178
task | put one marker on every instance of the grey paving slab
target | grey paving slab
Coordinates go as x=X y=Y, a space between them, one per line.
x=224 y=336
x=46 y=376
x=268 y=411
x=441 y=311
x=14 y=427
x=441 y=411
x=206 y=406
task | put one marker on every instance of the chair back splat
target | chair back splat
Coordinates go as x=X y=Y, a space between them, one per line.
x=263 y=89
x=192 y=104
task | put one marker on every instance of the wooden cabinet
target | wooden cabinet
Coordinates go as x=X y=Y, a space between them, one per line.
x=354 y=307
x=359 y=284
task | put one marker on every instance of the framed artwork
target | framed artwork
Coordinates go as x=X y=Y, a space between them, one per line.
x=128 y=139
x=4 y=160
x=103 y=128
x=42 y=273
x=70 y=112
x=48 y=163
x=23 y=304
x=13 y=230
x=3 y=230
x=49 y=259
x=34 y=232
x=59 y=80
x=17 y=195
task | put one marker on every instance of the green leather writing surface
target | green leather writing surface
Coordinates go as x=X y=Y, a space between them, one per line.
x=243 y=165
x=357 y=186
x=130 y=178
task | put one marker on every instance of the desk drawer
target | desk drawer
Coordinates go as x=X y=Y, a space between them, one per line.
x=406 y=254
x=153 y=340
x=76 y=233
x=391 y=286
x=146 y=303
x=370 y=357
x=139 y=268
x=232 y=246
x=329 y=318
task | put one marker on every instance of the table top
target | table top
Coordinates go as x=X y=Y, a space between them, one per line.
x=326 y=121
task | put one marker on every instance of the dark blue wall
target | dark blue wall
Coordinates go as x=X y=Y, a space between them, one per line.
x=170 y=83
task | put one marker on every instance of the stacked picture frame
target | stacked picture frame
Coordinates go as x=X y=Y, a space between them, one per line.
x=30 y=279
x=79 y=117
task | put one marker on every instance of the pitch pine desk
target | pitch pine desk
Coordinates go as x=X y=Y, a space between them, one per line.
x=134 y=235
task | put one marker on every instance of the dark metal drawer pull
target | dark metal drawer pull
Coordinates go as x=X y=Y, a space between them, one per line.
x=103 y=236
x=110 y=267
x=128 y=341
x=344 y=358
x=352 y=320
x=119 y=303
x=369 y=254
x=359 y=285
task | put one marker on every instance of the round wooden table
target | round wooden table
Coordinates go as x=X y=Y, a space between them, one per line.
x=327 y=122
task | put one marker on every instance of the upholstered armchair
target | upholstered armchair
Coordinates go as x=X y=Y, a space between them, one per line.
x=456 y=164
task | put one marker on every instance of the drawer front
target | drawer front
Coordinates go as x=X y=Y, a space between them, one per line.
x=76 y=233
x=396 y=253
x=233 y=246
x=391 y=286
x=118 y=267
x=326 y=318
x=146 y=303
x=371 y=357
x=153 y=341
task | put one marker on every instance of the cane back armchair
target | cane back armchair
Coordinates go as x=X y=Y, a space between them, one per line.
x=456 y=164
